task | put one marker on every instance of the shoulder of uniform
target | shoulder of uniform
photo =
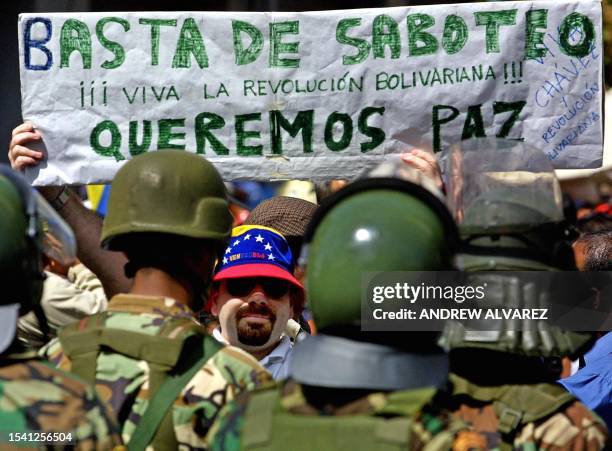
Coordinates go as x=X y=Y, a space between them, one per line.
x=228 y=369
x=571 y=427
x=38 y=390
x=523 y=403
x=70 y=381
x=54 y=353
x=234 y=361
x=53 y=346
x=534 y=401
x=35 y=375
x=576 y=413
x=139 y=304
x=147 y=322
x=236 y=357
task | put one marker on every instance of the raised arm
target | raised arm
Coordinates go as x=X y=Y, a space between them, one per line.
x=86 y=224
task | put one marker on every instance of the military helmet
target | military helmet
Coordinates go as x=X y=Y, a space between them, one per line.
x=381 y=223
x=29 y=228
x=509 y=208
x=508 y=204
x=167 y=191
x=525 y=337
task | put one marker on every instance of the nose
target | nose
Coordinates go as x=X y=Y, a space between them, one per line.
x=258 y=296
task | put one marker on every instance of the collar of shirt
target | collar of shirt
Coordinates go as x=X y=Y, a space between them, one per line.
x=278 y=354
x=278 y=361
x=217 y=336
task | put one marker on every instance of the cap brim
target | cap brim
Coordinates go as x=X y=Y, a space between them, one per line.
x=9 y=315
x=256 y=270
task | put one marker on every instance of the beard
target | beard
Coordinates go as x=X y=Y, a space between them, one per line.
x=254 y=333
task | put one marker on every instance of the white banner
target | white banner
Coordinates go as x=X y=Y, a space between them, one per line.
x=314 y=95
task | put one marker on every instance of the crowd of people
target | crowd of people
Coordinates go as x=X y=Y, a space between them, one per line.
x=176 y=328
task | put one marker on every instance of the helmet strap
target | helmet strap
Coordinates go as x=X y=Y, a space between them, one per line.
x=362 y=365
x=42 y=322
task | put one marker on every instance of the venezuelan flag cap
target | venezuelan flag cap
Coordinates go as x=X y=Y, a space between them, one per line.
x=256 y=251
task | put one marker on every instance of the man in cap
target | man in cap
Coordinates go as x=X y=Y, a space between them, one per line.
x=164 y=377
x=351 y=389
x=290 y=216
x=254 y=295
x=38 y=404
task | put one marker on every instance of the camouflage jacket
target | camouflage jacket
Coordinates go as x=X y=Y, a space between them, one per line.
x=123 y=382
x=35 y=397
x=406 y=420
x=528 y=417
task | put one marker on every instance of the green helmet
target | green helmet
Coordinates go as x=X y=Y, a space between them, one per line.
x=167 y=191
x=520 y=336
x=375 y=224
x=507 y=202
x=20 y=256
x=29 y=227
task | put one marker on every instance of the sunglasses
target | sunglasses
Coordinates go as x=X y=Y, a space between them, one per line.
x=273 y=288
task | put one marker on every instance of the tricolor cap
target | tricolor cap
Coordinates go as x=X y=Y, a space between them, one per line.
x=256 y=251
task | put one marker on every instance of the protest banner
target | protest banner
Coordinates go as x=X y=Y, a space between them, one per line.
x=313 y=95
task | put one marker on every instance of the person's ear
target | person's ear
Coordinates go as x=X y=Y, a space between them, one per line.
x=296 y=302
x=291 y=311
x=214 y=296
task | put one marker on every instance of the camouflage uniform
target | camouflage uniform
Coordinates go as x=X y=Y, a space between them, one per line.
x=540 y=423
x=407 y=420
x=35 y=399
x=124 y=383
x=30 y=392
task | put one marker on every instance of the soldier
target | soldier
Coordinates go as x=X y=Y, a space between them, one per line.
x=38 y=404
x=352 y=389
x=508 y=204
x=163 y=376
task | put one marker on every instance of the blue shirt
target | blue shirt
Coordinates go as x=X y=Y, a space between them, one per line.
x=593 y=384
x=277 y=362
